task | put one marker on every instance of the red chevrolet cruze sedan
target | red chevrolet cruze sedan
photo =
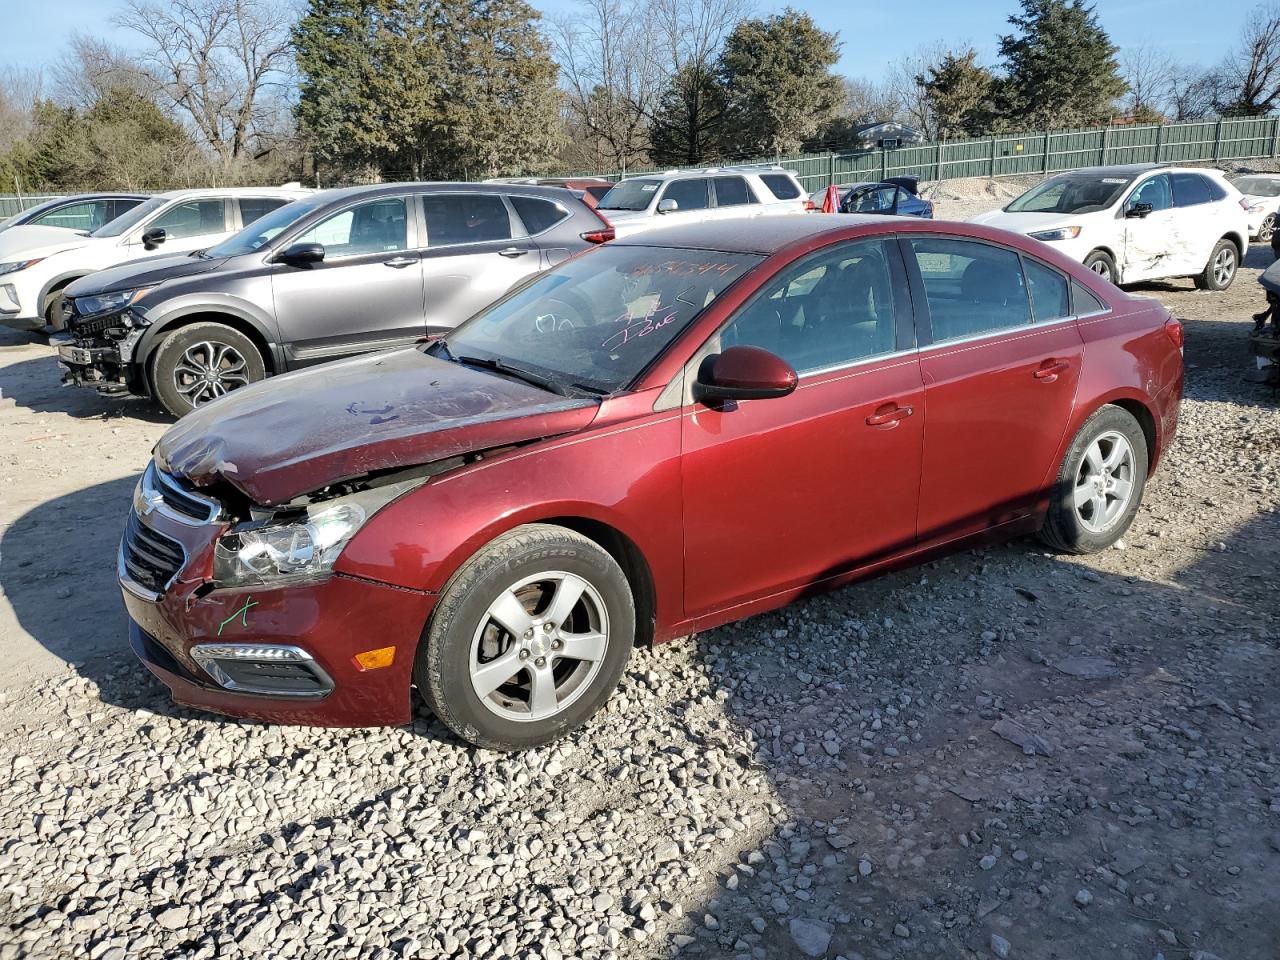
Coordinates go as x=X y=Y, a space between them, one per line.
x=656 y=437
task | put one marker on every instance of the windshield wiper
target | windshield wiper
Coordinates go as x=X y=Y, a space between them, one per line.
x=511 y=370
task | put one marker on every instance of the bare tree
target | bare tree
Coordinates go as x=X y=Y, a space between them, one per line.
x=214 y=59
x=906 y=84
x=92 y=66
x=1248 y=80
x=19 y=91
x=867 y=102
x=608 y=60
x=1150 y=74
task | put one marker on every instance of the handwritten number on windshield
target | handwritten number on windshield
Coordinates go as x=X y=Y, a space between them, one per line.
x=637 y=327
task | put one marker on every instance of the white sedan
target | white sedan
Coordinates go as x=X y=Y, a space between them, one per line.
x=37 y=262
x=1137 y=222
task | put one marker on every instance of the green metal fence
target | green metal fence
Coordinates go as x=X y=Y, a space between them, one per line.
x=1047 y=151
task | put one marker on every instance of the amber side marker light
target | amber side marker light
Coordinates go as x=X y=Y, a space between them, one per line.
x=375 y=659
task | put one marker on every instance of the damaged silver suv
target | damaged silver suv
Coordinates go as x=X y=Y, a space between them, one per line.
x=336 y=274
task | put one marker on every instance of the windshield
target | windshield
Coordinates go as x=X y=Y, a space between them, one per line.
x=128 y=221
x=630 y=195
x=266 y=228
x=1074 y=193
x=1259 y=186
x=599 y=319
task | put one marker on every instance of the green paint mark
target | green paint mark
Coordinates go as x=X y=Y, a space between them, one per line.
x=242 y=613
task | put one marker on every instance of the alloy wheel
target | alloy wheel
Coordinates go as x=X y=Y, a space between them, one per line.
x=1101 y=268
x=1224 y=266
x=1267 y=228
x=1104 y=482
x=209 y=370
x=538 y=646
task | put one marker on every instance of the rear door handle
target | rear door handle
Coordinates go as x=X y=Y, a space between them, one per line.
x=512 y=252
x=399 y=263
x=889 y=415
x=1049 y=370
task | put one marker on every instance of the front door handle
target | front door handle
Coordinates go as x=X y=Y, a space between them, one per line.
x=1049 y=370
x=889 y=415
x=399 y=263
x=512 y=252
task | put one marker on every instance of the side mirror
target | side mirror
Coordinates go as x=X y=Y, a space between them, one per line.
x=668 y=206
x=154 y=237
x=1138 y=210
x=302 y=254
x=744 y=373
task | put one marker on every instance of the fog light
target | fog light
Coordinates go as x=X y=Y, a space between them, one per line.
x=375 y=659
x=272 y=670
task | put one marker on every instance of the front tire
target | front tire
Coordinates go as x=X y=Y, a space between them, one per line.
x=201 y=362
x=1267 y=228
x=1101 y=263
x=1221 y=268
x=1100 y=484
x=528 y=639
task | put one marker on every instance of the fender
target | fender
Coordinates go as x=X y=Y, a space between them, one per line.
x=420 y=541
x=173 y=312
x=58 y=280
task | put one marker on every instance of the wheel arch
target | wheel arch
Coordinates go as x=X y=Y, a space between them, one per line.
x=1140 y=408
x=156 y=333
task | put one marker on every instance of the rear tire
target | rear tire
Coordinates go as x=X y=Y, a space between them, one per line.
x=528 y=640
x=1101 y=263
x=1100 y=484
x=1267 y=228
x=1221 y=268
x=201 y=362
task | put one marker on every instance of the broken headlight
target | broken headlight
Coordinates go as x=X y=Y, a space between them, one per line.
x=301 y=545
x=110 y=302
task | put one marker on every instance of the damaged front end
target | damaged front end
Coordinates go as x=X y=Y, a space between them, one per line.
x=97 y=351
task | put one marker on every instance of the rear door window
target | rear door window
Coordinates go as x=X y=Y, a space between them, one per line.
x=732 y=191
x=1050 y=296
x=689 y=194
x=780 y=185
x=457 y=218
x=538 y=214
x=971 y=288
x=1190 y=189
x=251 y=208
x=193 y=218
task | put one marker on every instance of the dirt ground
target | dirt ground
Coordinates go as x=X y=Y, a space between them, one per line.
x=820 y=781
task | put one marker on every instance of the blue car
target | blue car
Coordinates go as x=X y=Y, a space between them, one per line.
x=895 y=196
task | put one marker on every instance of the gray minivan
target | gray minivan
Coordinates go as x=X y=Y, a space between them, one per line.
x=338 y=273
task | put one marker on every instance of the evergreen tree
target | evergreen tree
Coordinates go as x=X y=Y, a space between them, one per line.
x=1061 y=66
x=778 y=83
x=688 y=125
x=427 y=88
x=959 y=93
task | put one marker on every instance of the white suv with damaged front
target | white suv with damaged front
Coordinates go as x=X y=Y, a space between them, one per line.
x=693 y=196
x=37 y=263
x=1137 y=222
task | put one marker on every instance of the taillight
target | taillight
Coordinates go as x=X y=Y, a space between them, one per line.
x=604 y=234
x=1173 y=330
x=809 y=206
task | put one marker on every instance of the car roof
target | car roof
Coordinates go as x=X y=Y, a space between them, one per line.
x=760 y=235
x=444 y=186
x=236 y=192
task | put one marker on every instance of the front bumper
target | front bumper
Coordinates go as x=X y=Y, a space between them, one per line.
x=101 y=356
x=328 y=620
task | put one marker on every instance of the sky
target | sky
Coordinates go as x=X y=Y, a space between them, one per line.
x=874 y=35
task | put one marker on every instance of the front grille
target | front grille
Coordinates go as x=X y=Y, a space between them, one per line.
x=189 y=506
x=151 y=559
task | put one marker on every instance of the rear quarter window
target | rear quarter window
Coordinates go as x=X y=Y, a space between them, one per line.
x=538 y=214
x=1084 y=303
x=781 y=186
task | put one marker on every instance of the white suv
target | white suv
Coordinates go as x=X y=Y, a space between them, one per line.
x=37 y=263
x=1137 y=222
x=689 y=196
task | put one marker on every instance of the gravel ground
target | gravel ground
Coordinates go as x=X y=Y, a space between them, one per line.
x=1004 y=753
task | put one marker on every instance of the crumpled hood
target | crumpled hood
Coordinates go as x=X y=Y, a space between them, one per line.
x=1030 y=222
x=143 y=273
x=30 y=241
x=302 y=431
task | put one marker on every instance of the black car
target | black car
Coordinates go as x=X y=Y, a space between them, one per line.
x=337 y=273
